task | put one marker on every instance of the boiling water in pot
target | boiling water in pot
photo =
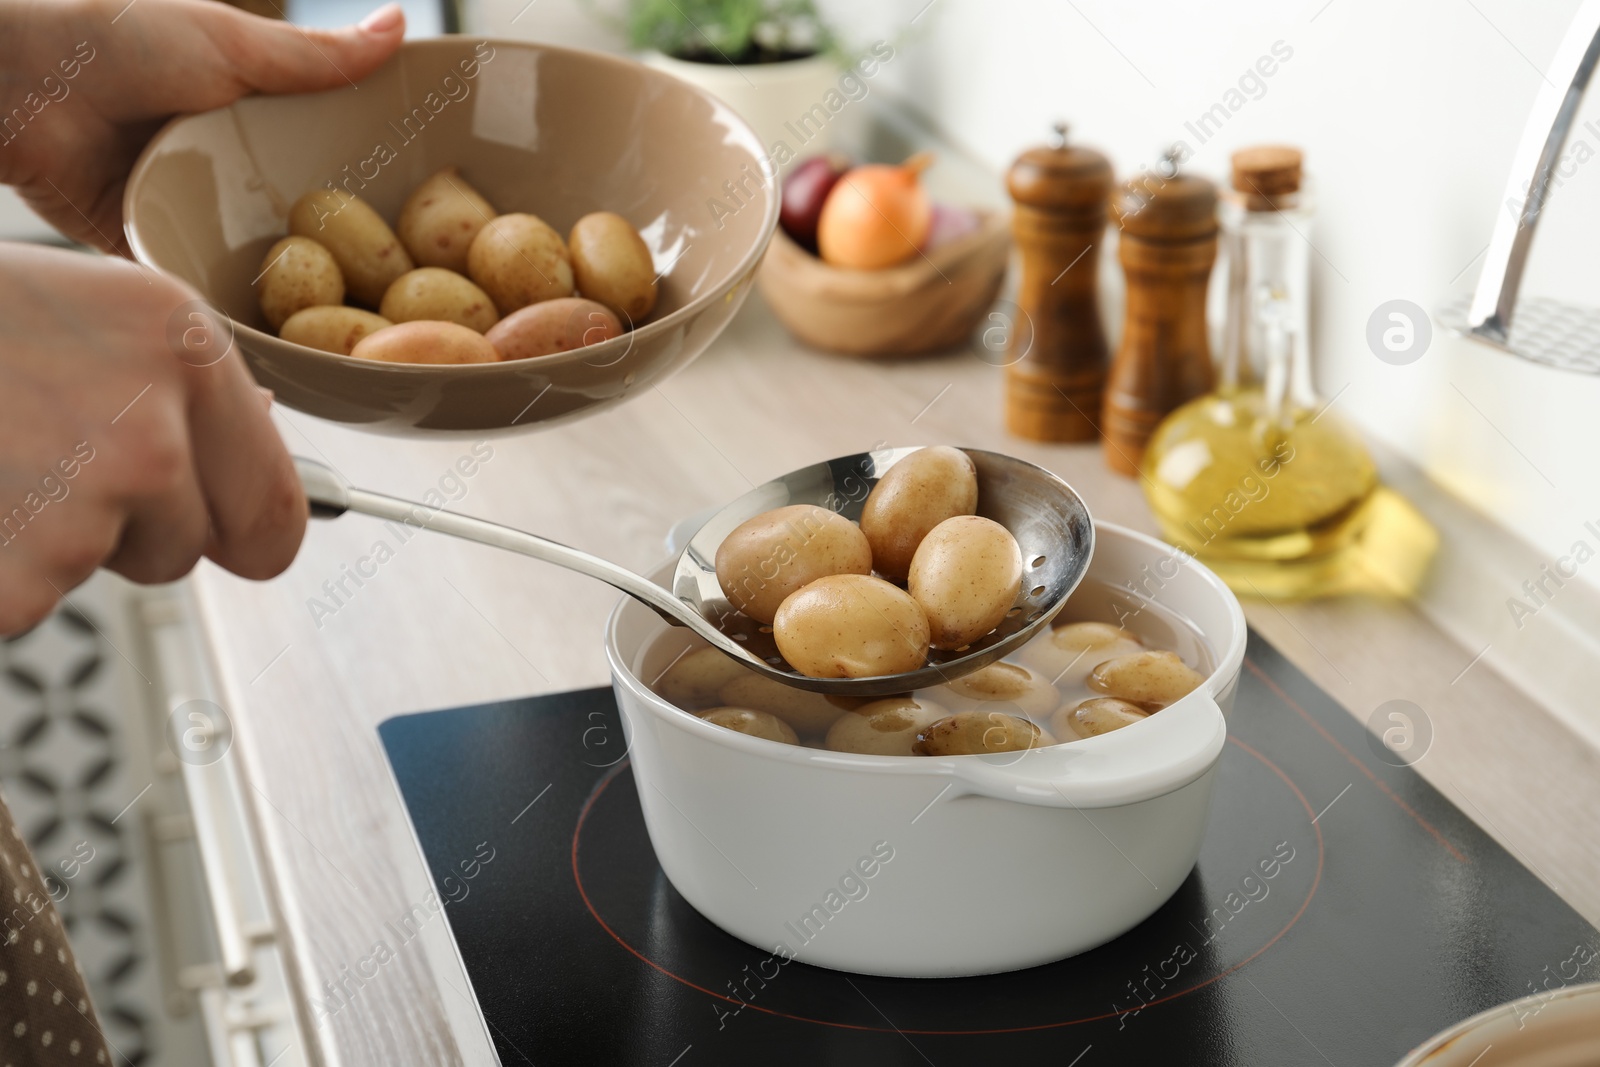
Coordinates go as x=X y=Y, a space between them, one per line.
x=1042 y=683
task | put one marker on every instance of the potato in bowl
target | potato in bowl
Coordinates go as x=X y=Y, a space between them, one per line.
x=572 y=132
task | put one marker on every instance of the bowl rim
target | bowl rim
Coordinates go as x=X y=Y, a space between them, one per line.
x=1225 y=672
x=744 y=269
x=1424 y=1053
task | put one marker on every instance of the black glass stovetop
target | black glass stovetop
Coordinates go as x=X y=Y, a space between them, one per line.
x=1387 y=915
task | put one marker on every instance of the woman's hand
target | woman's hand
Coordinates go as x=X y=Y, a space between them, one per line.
x=84 y=84
x=122 y=443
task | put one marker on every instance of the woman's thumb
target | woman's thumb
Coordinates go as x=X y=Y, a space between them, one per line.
x=277 y=57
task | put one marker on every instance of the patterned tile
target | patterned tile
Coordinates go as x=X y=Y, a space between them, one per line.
x=64 y=769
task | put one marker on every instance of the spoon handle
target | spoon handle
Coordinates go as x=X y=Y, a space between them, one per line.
x=331 y=496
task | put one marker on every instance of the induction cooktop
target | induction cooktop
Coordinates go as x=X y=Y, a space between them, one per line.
x=1341 y=912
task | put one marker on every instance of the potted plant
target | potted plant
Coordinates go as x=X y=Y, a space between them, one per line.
x=772 y=61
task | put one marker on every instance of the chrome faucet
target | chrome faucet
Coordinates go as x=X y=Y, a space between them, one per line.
x=1544 y=330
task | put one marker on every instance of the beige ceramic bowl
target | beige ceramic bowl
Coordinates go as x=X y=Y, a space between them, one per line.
x=1552 y=1028
x=550 y=131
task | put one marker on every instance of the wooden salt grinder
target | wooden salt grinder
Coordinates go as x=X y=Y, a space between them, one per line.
x=1057 y=353
x=1169 y=243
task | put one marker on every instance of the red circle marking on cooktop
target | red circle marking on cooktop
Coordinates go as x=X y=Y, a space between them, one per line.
x=583 y=815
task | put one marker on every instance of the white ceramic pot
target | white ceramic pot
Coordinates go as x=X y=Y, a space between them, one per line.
x=924 y=867
x=784 y=101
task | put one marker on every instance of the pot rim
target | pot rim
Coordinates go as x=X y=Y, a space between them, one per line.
x=787 y=66
x=1199 y=721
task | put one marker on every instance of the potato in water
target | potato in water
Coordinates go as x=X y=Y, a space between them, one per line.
x=332 y=329
x=1077 y=636
x=767 y=558
x=1075 y=647
x=807 y=712
x=851 y=626
x=1145 y=677
x=965 y=574
x=752 y=722
x=437 y=295
x=426 y=342
x=519 y=260
x=1029 y=691
x=1098 y=715
x=969 y=733
x=695 y=679
x=611 y=264
x=913 y=496
x=887 y=727
x=297 y=273
x=369 y=255
x=552 y=326
x=440 y=218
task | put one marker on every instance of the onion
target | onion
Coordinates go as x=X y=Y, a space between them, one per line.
x=876 y=216
x=949 y=224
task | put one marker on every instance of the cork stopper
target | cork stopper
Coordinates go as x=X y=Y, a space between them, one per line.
x=1267 y=175
x=1166 y=204
x=1060 y=176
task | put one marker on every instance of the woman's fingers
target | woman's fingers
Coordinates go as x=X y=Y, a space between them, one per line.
x=44 y=556
x=147 y=467
x=258 y=509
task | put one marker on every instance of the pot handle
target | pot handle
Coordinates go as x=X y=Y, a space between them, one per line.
x=1170 y=749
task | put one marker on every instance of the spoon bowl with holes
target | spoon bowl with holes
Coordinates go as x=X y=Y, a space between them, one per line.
x=1046 y=516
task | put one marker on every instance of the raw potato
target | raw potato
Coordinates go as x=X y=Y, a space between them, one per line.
x=969 y=733
x=766 y=558
x=440 y=218
x=438 y=295
x=426 y=342
x=913 y=496
x=965 y=575
x=552 y=326
x=807 y=712
x=611 y=264
x=369 y=255
x=297 y=273
x=332 y=329
x=886 y=727
x=752 y=722
x=696 y=678
x=519 y=260
x=1145 y=678
x=1096 y=716
x=1028 y=691
x=851 y=626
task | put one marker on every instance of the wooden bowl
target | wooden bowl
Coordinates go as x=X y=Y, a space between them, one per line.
x=933 y=302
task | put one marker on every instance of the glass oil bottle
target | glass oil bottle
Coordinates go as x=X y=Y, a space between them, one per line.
x=1259 y=479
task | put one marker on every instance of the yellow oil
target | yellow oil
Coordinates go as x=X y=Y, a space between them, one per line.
x=1284 y=504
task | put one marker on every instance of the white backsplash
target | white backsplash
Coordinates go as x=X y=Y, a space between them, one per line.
x=1409 y=114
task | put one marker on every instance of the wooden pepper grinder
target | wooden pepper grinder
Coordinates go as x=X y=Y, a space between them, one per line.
x=1169 y=243
x=1057 y=354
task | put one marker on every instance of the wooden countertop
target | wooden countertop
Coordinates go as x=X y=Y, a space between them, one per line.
x=444 y=623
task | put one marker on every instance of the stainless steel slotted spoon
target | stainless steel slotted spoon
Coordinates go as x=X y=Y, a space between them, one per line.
x=1044 y=513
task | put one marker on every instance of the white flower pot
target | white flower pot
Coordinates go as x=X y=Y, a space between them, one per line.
x=787 y=102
